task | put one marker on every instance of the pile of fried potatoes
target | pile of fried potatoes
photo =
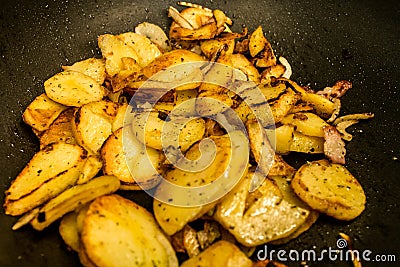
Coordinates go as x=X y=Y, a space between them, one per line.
x=84 y=115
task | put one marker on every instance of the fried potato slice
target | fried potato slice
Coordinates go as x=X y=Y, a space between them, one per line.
x=144 y=48
x=113 y=50
x=46 y=164
x=93 y=124
x=281 y=107
x=240 y=62
x=92 y=67
x=150 y=128
x=174 y=218
x=222 y=254
x=306 y=123
x=257 y=41
x=119 y=232
x=261 y=216
x=72 y=88
x=41 y=112
x=122 y=149
x=283 y=139
x=323 y=106
x=307 y=144
x=210 y=47
x=90 y=169
x=69 y=231
x=60 y=130
x=169 y=59
x=329 y=188
x=73 y=198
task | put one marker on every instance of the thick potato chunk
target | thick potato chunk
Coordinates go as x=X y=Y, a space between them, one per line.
x=329 y=188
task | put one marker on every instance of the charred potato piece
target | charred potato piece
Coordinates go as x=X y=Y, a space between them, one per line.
x=329 y=188
x=72 y=88
x=257 y=41
x=41 y=112
x=118 y=232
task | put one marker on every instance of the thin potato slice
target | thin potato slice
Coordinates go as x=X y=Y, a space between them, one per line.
x=41 y=112
x=306 y=123
x=113 y=50
x=92 y=67
x=169 y=59
x=240 y=62
x=144 y=48
x=69 y=231
x=90 y=169
x=46 y=164
x=60 y=130
x=261 y=216
x=281 y=107
x=73 y=198
x=93 y=124
x=329 y=188
x=307 y=144
x=149 y=130
x=122 y=149
x=50 y=189
x=72 y=88
x=173 y=218
x=257 y=42
x=221 y=254
x=118 y=232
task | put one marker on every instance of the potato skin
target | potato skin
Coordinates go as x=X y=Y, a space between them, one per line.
x=329 y=188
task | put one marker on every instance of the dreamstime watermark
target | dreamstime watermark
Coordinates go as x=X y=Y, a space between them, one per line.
x=222 y=78
x=341 y=253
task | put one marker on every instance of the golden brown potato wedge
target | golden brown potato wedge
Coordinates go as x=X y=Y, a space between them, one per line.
x=57 y=163
x=73 y=198
x=222 y=254
x=93 y=124
x=60 y=130
x=210 y=47
x=125 y=157
x=118 y=232
x=92 y=67
x=329 y=188
x=41 y=112
x=72 y=88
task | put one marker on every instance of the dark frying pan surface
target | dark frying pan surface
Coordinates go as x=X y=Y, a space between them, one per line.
x=324 y=41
